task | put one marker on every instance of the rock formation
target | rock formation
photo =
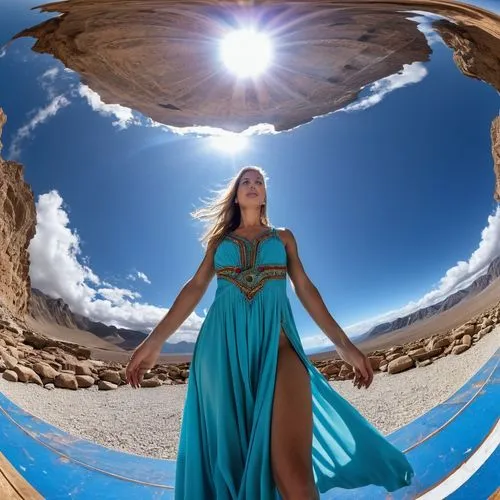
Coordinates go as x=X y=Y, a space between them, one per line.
x=476 y=53
x=161 y=58
x=421 y=352
x=495 y=147
x=17 y=227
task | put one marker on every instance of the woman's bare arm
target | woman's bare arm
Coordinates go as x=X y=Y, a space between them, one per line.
x=185 y=302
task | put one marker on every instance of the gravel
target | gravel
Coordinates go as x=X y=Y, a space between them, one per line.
x=147 y=421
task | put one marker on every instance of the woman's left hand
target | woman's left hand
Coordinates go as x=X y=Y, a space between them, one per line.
x=363 y=371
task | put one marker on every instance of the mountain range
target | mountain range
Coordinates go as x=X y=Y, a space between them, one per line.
x=44 y=308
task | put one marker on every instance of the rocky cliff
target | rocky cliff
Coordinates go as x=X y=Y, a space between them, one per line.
x=476 y=53
x=17 y=227
x=161 y=58
x=495 y=148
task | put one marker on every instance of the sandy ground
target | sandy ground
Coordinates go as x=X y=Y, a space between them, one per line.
x=147 y=421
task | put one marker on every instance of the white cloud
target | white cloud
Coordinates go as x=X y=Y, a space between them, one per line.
x=460 y=276
x=124 y=117
x=143 y=277
x=3 y=51
x=56 y=269
x=139 y=275
x=410 y=74
x=47 y=81
x=424 y=22
x=118 y=296
x=204 y=131
x=41 y=116
x=50 y=74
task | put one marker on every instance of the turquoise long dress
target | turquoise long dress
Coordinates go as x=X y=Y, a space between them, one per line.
x=224 y=446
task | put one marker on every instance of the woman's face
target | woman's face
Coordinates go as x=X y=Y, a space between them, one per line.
x=251 y=189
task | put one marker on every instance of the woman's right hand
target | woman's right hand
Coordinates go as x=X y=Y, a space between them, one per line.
x=142 y=360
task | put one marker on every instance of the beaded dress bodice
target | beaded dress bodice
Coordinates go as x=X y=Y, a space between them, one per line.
x=250 y=264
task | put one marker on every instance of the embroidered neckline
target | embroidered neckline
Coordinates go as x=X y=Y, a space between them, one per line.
x=256 y=238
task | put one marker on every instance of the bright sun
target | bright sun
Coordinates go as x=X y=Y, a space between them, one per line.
x=246 y=52
x=229 y=143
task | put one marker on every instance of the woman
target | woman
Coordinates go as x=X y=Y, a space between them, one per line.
x=259 y=419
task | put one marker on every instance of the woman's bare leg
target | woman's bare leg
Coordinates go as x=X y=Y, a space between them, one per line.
x=291 y=427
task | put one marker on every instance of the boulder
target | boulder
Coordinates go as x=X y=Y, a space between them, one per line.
x=10 y=375
x=400 y=364
x=45 y=371
x=375 y=361
x=84 y=381
x=66 y=381
x=103 y=385
x=111 y=376
x=459 y=349
x=27 y=375
x=151 y=382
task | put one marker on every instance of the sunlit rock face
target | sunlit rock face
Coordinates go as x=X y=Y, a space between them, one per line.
x=495 y=143
x=17 y=227
x=163 y=58
x=476 y=53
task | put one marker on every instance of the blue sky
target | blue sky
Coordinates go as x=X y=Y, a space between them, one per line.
x=390 y=200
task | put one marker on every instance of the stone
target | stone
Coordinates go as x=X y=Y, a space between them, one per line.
x=83 y=369
x=10 y=361
x=84 y=381
x=123 y=375
x=400 y=364
x=422 y=353
x=375 y=361
x=27 y=375
x=467 y=340
x=391 y=357
x=439 y=342
x=103 y=385
x=38 y=341
x=459 y=349
x=45 y=371
x=10 y=375
x=151 y=382
x=425 y=362
x=111 y=376
x=66 y=381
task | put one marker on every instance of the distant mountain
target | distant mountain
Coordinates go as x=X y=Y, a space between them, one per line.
x=42 y=307
x=478 y=285
x=51 y=310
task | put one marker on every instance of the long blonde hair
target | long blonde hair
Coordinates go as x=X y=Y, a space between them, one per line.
x=222 y=213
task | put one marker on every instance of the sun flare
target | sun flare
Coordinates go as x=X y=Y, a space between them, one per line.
x=246 y=52
x=229 y=143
